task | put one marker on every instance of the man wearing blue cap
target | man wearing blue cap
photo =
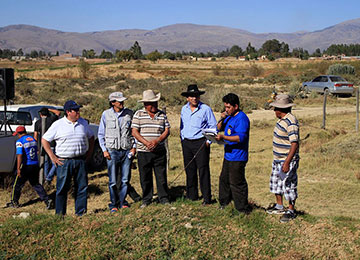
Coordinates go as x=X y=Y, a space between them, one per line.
x=74 y=145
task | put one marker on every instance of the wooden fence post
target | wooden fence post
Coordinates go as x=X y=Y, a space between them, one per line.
x=167 y=147
x=357 y=109
x=324 y=110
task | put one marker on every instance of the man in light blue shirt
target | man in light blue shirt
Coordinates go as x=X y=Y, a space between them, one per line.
x=196 y=116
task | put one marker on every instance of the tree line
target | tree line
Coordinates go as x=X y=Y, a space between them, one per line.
x=271 y=49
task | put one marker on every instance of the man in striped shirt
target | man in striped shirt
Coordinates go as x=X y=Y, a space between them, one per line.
x=283 y=180
x=74 y=145
x=151 y=127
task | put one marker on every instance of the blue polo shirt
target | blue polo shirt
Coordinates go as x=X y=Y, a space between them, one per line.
x=238 y=125
x=192 y=122
x=27 y=146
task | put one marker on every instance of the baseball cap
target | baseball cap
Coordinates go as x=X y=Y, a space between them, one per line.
x=71 y=104
x=19 y=129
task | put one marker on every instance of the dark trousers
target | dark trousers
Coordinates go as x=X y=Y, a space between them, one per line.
x=148 y=161
x=233 y=185
x=30 y=173
x=71 y=169
x=201 y=164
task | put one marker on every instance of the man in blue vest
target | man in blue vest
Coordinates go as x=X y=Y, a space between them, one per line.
x=118 y=146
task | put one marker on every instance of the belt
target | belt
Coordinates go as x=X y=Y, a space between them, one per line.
x=81 y=157
x=194 y=140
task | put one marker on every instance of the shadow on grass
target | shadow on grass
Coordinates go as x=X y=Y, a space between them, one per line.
x=176 y=192
x=98 y=176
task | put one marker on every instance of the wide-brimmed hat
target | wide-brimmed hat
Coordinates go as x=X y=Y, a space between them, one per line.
x=149 y=96
x=192 y=90
x=282 y=101
x=71 y=104
x=19 y=129
x=117 y=96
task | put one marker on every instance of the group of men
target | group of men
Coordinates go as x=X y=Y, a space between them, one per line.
x=123 y=134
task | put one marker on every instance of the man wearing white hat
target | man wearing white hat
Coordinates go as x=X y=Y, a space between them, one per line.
x=151 y=127
x=283 y=180
x=118 y=146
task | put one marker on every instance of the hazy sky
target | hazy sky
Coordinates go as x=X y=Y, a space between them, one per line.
x=255 y=16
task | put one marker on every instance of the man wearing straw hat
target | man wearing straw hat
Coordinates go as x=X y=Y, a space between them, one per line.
x=283 y=179
x=195 y=117
x=151 y=127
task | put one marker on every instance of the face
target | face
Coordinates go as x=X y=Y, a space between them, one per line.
x=73 y=115
x=151 y=107
x=117 y=105
x=193 y=100
x=278 y=113
x=230 y=109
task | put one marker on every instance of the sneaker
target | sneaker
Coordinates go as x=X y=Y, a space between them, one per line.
x=48 y=204
x=125 y=206
x=144 y=205
x=273 y=210
x=222 y=207
x=289 y=215
x=13 y=204
x=114 y=210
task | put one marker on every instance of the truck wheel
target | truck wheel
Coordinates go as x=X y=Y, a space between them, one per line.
x=97 y=158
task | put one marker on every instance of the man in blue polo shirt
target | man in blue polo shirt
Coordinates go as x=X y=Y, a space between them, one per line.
x=232 y=182
x=27 y=168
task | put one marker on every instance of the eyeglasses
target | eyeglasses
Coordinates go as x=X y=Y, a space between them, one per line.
x=76 y=110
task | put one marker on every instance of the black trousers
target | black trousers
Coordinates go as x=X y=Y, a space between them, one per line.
x=29 y=173
x=233 y=185
x=148 y=161
x=201 y=164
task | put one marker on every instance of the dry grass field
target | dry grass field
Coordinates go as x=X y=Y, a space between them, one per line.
x=329 y=174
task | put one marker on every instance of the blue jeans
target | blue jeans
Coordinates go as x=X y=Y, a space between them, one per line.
x=49 y=168
x=119 y=172
x=72 y=168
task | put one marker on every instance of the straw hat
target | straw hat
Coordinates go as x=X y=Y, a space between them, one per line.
x=149 y=96
x=282 y=101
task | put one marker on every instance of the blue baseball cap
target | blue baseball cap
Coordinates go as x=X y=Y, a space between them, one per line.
x=71 y=104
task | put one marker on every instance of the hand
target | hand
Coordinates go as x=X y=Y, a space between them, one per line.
x=286 y=167
x=152 y=144
x=133 y=151
x=207 y=144
x=224 y=114
x=18 y=172
x=56 y=160
x=107 y=155
x=219 y=137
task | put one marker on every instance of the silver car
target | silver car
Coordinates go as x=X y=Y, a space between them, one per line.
x=329 y=83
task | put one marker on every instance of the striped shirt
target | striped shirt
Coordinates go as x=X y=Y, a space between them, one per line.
x=286 y=131
x=72 y=139
x=149 y=128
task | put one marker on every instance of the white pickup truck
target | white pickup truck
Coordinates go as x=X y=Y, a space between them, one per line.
x=27 y=115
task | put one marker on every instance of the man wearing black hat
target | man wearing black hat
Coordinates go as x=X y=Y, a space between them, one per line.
x=196 y=116
x=50 y=118
x=74 y=144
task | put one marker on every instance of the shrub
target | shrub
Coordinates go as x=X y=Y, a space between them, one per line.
x=341 y=69
x=255 y=71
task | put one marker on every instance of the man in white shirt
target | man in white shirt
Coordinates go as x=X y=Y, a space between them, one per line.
x=74 y=145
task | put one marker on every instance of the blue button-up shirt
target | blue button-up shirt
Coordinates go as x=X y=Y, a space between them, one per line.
x=192 y=122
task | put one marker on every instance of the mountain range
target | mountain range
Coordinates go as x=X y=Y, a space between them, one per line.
x=177 y=37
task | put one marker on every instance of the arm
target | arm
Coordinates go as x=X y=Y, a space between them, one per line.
x=55 y=111
x=101 y=137
x=220 y=124
x=36 y=135
x=293 y=149
x=48 y=150
x=234 y=138
x=18 y=164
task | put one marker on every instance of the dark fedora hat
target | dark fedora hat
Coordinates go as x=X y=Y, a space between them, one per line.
x=192 y=90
